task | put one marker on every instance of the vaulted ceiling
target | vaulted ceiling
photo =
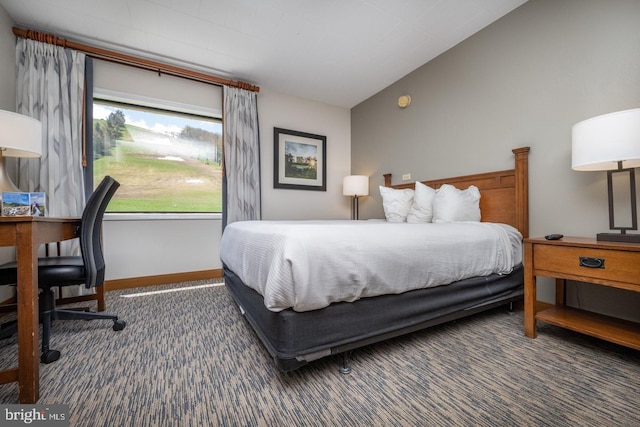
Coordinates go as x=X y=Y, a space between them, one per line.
x=339 y=52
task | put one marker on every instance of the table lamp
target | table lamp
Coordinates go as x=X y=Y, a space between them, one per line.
x=20 y=136
x=355 y=186
x=610 y=142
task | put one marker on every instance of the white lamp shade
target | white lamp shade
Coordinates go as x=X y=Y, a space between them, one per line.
x=20 y=135
x=355 y=185
x=601 y=142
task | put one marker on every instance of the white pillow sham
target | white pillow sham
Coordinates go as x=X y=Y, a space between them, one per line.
x=396 y=203
x=422 y=209
x=451 y=204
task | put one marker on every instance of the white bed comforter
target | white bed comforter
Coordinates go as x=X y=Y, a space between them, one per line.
x=307 y=265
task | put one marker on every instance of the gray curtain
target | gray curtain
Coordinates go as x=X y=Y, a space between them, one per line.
x=50 y=88
x=241 y=192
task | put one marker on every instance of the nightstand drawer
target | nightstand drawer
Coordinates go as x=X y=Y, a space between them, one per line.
x=588 y=263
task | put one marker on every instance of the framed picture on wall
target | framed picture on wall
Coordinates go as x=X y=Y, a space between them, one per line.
x=299 y=160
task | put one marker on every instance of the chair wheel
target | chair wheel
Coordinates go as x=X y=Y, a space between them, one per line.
x=119 y=325
x=50 y=356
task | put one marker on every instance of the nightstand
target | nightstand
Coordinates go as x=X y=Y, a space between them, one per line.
x=611 y=264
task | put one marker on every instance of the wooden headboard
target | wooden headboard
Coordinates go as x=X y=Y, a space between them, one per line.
x=504 y=195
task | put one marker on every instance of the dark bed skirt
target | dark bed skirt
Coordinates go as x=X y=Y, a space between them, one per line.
x=296 y=338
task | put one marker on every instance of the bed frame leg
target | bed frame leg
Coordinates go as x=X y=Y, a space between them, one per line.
x=511 y=308
x=345 y=368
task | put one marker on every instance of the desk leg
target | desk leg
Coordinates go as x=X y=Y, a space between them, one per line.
x=529 y=293
x=28 y=329
x=100 y=292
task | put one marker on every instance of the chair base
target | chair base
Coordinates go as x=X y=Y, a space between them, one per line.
x=79 y=314
x=48 y=313
x=50 y=356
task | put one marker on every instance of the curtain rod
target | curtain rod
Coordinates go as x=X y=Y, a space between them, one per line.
x=134 y=61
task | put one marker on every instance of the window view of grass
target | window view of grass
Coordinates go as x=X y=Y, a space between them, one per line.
x=165 y=162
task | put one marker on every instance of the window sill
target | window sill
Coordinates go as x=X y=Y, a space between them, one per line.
x=161 y=216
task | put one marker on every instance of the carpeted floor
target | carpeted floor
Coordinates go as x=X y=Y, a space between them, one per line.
x=187 y=358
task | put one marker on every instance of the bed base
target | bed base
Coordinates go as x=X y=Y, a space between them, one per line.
x=504 y=199
x=294 y=339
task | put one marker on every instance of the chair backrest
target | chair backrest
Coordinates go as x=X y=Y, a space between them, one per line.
x=91 y=231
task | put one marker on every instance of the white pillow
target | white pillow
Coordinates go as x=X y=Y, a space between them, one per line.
x=422 y=209
x=396 y=203
x=451 y=204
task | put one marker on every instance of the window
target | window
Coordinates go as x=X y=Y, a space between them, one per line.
x=166 y=161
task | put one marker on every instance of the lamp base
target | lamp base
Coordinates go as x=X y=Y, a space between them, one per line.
x=354 y=208
x=618 y=237
x=5 y=182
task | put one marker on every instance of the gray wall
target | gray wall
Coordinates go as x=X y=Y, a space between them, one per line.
x=524 y=80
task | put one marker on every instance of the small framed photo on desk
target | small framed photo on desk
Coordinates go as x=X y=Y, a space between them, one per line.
x=23 y=204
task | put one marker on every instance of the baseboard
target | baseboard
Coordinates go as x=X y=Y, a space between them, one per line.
x=163 y=279
x=11 y=300
x=8 y=306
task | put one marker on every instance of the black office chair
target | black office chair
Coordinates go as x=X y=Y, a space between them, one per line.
x=87 y=269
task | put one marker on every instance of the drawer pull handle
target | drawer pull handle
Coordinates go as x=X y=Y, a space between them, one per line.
x=591 y=262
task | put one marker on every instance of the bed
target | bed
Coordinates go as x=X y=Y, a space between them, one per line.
x=298 y=325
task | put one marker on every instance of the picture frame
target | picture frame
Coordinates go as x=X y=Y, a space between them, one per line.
x=299 y=160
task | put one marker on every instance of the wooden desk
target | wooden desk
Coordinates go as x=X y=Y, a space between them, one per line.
x=582 y=259
x=26 y=234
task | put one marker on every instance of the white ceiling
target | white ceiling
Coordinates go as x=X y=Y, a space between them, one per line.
x=336 y=51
